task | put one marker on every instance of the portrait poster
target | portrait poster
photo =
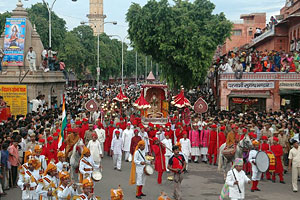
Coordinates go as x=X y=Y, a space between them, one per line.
x=14 y=42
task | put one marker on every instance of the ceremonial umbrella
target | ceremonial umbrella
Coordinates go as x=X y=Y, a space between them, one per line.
x=121 y=98
x=180 y=101
x=141 y=103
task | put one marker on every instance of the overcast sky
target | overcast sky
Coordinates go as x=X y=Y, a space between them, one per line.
x=115 y=10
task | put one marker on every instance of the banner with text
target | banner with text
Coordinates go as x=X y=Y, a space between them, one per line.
x=14 y=41
x=15 y=96
x=289 y=85
x=250 y=85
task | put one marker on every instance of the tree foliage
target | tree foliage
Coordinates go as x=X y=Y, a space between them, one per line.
x=38 y=15
x=3 y=17
x=181 y=37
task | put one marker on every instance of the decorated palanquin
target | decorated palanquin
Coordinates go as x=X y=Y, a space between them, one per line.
x=157 y=96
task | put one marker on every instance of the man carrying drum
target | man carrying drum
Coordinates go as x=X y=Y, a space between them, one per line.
x=86 y=164
x=87 y=188
x=137 y=175
x=256 y=174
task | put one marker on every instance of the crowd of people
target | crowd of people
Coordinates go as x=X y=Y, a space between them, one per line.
x=33 y=159
x=257 y=61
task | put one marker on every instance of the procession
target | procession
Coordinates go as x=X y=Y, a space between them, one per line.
x=185 y=104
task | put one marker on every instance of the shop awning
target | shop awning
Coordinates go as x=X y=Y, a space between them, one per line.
x=284 y=92
x=263 y=94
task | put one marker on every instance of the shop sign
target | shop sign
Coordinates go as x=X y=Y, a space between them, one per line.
x=244 y=101
x=289 y=85
x=250 y=85
x=15 y=96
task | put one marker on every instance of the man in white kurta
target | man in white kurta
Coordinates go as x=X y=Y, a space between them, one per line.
x=116 y=150
x=95 y=149
x=186 y=148
x=140 y=163
x=28 y=181
x=126 y=137
x=86 y=164
x=294 y=164
x=256 y=175
x=31 y=58
x=144 y=135
x=236 y=180
x=101 y=136
x=168 y=143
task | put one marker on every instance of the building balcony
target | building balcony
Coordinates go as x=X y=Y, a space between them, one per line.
x=265 y=76
x=263 y=36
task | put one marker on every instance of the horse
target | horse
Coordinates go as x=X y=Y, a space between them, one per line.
x=243 y=145
x=75 y=158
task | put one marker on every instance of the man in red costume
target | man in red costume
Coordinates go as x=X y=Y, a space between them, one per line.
x=178 y=131
x=108 y=137
x=278 y=152
x=50 y=152
x=122 y=123
x=212 y=147
x=151 y=133
x=170 y=132
x=222 y=137
x=84 y=127
x=160 y=163
x=264 y=146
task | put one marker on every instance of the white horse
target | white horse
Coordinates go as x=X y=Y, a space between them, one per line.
x=75 y=158
x=244 y=145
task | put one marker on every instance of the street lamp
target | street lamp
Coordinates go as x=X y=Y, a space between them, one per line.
x=98 y=46
x=122 y=40
x=50 y=8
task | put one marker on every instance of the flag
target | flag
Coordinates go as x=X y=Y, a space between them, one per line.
x=63 y=124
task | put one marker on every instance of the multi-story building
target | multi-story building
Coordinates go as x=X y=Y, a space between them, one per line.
x=96 y=16
x=243 y=31
x=285 y=35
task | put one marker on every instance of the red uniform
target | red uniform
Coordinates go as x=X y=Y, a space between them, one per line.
x=278 y=152
x=178 y=133
x=265 y=147
x=50 y=153
x=212 y=146
x=108 y=138
x=123 y=125
x=160 y=164
x=171 y=134
x=84 y=128
x=222 y=138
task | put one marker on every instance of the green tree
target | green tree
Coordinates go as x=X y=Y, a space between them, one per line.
x=181 y=37
x=3 y=17
x=38 y=15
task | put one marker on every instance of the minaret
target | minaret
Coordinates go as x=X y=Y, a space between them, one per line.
x=96 y=17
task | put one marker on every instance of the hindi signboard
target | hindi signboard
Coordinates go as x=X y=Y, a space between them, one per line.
x=15 y=96
x=250 y=85
x=289 y=85
x=14 y=41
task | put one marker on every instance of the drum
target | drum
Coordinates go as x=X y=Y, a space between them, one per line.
x=262 y=161
x=96 y=176
x=272 y=166
x=148 y=170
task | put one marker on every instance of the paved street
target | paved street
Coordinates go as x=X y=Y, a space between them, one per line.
x=201 y=181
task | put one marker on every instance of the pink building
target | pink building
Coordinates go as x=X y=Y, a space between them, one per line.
x=243 y=32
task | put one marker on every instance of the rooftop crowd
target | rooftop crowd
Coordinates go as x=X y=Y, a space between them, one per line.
x=257 y=61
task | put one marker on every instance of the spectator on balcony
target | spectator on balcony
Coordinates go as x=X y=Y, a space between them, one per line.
x=258 y=32
x=225 y=67
x=273 y=21
x=296 y=61
x=51 y=59
x=238 y=70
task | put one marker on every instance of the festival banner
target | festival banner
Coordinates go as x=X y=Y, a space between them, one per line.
x=14 y=42
x=15 y=96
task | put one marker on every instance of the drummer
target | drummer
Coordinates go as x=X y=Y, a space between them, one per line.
x=137 y=175
x=86 y=164
x=256 y=175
